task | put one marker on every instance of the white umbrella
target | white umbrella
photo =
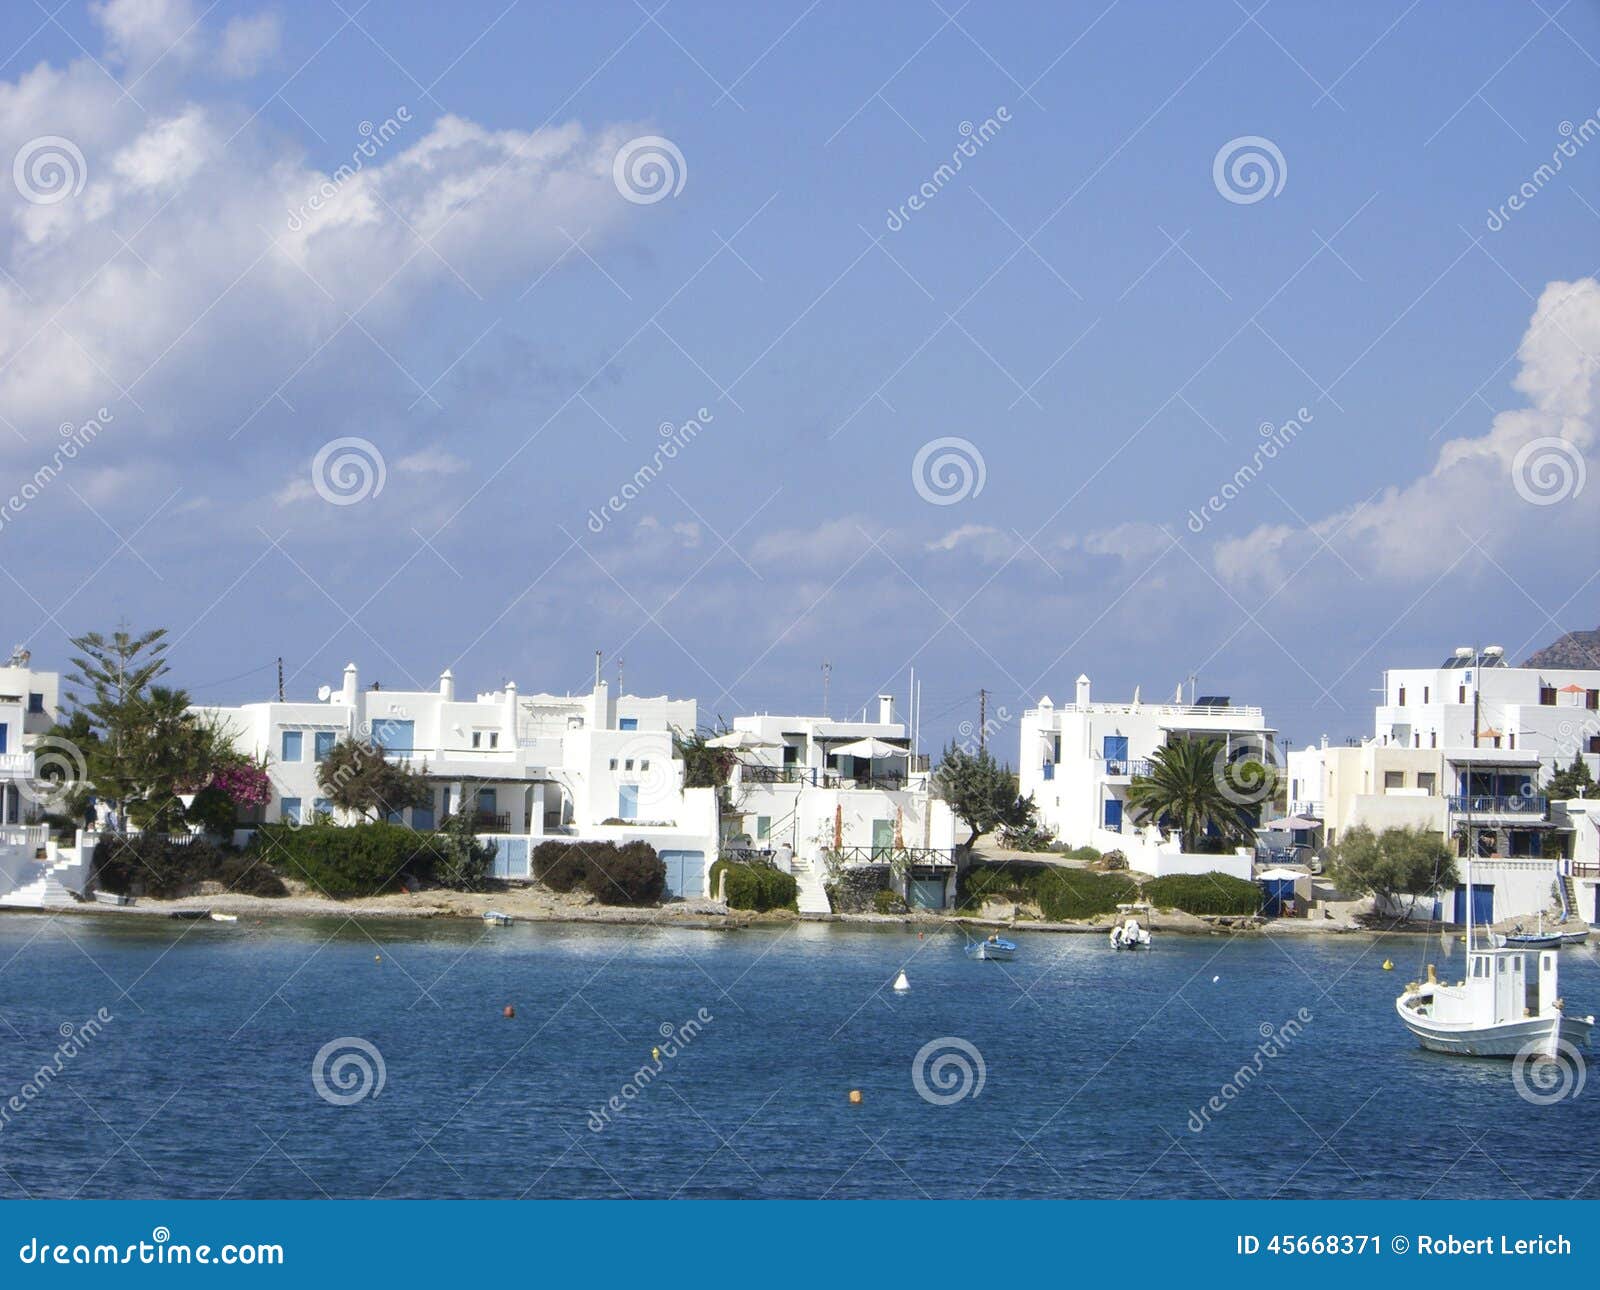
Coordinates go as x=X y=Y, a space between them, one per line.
x=1280 y=875
x=740 y=739
x=1292 y=822
x=869 y=748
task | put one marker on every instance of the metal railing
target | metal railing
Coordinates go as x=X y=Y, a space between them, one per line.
x=17 y=763
x=1123 y=767
x=1489 y=804
x=892 y=855
x=757 y=774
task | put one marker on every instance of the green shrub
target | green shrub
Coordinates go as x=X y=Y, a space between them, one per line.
x=1081 y=853
x=631 y=874
x=558 y=865
x=886 y=901
x=756 y=886
x=150 y=864
x=354 y=860
x=1065 y=895
x=1006 y=880
x=1204 y=893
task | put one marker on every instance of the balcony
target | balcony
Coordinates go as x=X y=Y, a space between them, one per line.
x=1126 y=767
x=17 y=764
x=491 y=821
x=1486 y=804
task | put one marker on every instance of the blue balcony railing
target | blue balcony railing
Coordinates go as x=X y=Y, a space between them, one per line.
x=1485 y=804
x=1122 y=767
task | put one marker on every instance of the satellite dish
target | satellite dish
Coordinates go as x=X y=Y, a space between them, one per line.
x=324 y=693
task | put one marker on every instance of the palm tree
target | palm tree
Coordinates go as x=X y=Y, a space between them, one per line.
x=1185 y=791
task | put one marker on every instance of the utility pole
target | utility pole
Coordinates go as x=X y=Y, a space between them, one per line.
x=280 y=678
x=983 y=721
x=619 y=674
x=827 y=671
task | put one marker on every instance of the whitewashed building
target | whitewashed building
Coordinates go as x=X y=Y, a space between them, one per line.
x=1079 y=760
x=29 y=702
x=800 y=794
x=527 y=766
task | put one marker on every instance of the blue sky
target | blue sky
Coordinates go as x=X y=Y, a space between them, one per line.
x=1099 y=313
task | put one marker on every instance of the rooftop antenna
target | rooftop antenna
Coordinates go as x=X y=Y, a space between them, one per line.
x=827 y=672
x=280 y=678
x=619 y=673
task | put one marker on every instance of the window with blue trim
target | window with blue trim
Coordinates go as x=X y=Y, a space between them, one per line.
x=394 y=736
x=36 y=703
x=628 y=723
x=422 y=816
x=1114 y=814
x=322 y=806
x=1049 y=770
x=322 y=744
x=2 y=736
x=289 y=810
x=628 y=802
x=290 y=749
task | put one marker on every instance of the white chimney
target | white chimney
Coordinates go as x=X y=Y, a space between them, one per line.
x=1083 y=691
x=352 y=685
x=885 y=709
x=447 y=686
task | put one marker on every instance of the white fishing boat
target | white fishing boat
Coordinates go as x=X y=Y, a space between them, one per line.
x=494 y=918
x=1508 y=1003
x=223 y=918
x=994 y=947
x=1130 y=933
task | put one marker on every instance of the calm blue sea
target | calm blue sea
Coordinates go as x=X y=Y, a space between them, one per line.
x=1093 y=1066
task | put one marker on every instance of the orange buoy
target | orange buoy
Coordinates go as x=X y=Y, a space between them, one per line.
x=509 y=1011
x=855 y=1097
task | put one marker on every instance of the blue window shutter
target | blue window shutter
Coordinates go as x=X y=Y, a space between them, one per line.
x=290 y=810
x=2 y=736
x=291 y=747
x=323 y=743
x=1114 y=813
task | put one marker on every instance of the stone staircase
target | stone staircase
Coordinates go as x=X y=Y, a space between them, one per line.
x=810 y=895
x=46 y=884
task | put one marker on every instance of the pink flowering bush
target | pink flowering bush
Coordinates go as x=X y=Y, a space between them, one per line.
x=245 y=783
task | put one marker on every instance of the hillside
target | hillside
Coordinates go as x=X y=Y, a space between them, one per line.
x=1575 y=649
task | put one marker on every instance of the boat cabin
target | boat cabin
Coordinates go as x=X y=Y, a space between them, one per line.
x=1500 y=986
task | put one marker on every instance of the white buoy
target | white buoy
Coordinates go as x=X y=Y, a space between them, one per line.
x=1215 y=979
x=900 y=982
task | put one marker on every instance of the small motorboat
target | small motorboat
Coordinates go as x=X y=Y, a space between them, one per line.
x=1130 y=933
x=1541 y=937
x=189 y=915
x=494 y=918
x=112 y=898
x=224 y=918
x=994 y=946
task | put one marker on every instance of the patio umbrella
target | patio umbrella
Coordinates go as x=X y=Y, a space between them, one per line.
x=1292 y=822
x=899 y=828
x=869 y=748
x=838 y=827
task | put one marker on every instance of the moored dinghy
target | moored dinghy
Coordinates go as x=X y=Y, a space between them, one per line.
x=1130 y=933
x=994 y=946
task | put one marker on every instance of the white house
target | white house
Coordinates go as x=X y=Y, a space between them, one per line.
x=1079 y=760
x=589 y=766
x=1476 y=700
x=29 y=701
x=808 y=789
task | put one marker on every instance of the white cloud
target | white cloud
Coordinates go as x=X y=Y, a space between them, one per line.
x=431 y=461
x=138 y=32
x=247 y=43
x=1416 y=531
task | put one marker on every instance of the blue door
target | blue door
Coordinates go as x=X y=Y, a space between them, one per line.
x=1116 y=752
x=1114 y=814
x=926 y=893
x=686 y=872
x=628 y=802
x=1482 y=905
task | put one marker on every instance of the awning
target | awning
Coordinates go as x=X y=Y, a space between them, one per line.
x=1281 y=875
x=874 y=749
x=1292 y=822
x=740 y=739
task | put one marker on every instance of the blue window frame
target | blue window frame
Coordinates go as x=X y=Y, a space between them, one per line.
x=394 y=736
x=488 y=801
x=322 y=806
x=35 y=703
x=291 y=747
x=628 y=723
x=322 y=744
x=1114 y=814
x=628 y=802
x=2 y=736
x=289 y=810
x=1049 y=770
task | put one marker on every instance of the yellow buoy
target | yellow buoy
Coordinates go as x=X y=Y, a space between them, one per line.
x=855 y=1097
x=655 y=1054
x=377 y=958
x=1388 y=965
